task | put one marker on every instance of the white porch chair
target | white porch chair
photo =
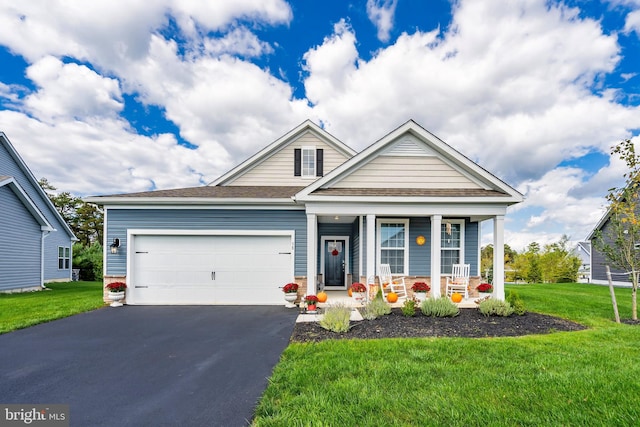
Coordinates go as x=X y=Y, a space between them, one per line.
x=390 y=283
x=459 y=280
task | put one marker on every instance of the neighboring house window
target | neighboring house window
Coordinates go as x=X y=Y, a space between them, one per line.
x=451 y=244
x=394 y=243
x=308 y=162
x=63 y=258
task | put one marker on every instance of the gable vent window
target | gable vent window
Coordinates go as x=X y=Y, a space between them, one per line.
x=308 y=162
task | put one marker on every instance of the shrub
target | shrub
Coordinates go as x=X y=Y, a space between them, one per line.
x=516 y=302
x=376 y=308
x=495 y=307
x=439 y=307
x=409 y=308
x=89 y=260
x=336 y=318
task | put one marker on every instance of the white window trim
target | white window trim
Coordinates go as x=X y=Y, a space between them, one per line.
x=64 y=257
x=405 y=222
x=315 y=164
x=462 y=240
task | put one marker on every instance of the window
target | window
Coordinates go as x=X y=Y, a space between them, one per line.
x=394 y=242
x=308 y=162
x=451 y=244
x=63 y=258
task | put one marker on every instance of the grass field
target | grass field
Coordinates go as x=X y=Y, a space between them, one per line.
x=64 y=299
x=590 y=377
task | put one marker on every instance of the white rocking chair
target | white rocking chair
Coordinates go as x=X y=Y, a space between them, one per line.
x=459 y=280
x=390 y=283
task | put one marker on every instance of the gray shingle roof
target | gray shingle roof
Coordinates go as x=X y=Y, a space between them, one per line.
x=206 y=192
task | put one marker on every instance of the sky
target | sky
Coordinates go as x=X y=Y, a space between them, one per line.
x=114 y=96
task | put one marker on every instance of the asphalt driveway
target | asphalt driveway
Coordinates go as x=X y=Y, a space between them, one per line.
x=134 y=366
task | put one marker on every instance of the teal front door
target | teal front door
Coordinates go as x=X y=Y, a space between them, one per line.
x=334 y=263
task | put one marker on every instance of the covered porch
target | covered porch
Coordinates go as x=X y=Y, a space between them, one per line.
x=345 y=246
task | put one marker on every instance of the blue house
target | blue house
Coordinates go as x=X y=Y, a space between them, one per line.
x=307 y=208
x=36 y=242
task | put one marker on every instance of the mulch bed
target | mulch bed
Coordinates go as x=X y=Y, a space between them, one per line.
x=469 y=323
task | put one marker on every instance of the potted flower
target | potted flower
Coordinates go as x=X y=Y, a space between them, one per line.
x=485 y=288
x=358 y=291
x=312 y=302
x=116 y=293
x=290 y=293
x=420 y=290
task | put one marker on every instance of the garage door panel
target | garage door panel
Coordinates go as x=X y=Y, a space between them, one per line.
x=205 y=269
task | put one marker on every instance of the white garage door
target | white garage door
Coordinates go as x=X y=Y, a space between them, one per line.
x=205 y=269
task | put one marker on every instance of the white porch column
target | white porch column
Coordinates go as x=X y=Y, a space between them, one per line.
x=498 y=257
x=312 y=244
x=436 y=224
x=371 y=247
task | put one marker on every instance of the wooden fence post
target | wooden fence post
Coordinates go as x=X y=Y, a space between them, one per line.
x=613 y=295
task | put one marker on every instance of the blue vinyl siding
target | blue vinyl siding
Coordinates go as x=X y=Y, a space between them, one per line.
x=60 y=237
x=471 y=246
x=120 y=220
x=355 y=252
x=21 y=244
x=419 y=256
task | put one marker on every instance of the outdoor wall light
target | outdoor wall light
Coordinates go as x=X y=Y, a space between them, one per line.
x=115 y=245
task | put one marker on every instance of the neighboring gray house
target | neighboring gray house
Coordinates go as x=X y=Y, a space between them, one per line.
x=308 y=208
x=598 y=261
x=583 y=251
x=36 y=243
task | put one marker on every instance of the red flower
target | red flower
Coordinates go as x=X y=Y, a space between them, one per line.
x=358 y=287
x=420 y=287
x=311 y=299
x=116 y=286
x=290 y=288
x=484 y=287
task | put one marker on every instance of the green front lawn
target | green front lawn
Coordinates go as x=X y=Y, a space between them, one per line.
x=590 y=377
x=64 y=299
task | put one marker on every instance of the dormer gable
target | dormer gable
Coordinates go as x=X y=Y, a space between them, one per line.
x=410 y=162
x=301 y=156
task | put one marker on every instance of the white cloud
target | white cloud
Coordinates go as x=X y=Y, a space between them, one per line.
x=71 y=91
x=632 y=22
x=381 y=13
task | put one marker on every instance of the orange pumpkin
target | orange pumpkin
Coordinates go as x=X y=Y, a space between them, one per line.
x=322 y=296
x=456 y=297
x=392 y=297
x=350 y=292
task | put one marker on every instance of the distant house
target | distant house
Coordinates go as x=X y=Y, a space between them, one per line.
x=583 y=251
x=599 y=262
x=308 y=208
x=36 y=242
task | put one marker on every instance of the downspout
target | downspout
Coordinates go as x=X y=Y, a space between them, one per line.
x=45 y=233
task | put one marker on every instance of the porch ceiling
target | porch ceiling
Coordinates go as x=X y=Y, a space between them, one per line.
x=336 y=219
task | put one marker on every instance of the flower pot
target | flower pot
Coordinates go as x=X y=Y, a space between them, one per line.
x=290 y=298
x=359 y=296
x=116 y=297
x=311 y=307
x=420 y=296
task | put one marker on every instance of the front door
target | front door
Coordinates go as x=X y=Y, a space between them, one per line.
x=334 y=263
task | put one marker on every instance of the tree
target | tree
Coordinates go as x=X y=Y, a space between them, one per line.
x=84 y=219
x=558 y=264
x=486 y=260
x=619 y=239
